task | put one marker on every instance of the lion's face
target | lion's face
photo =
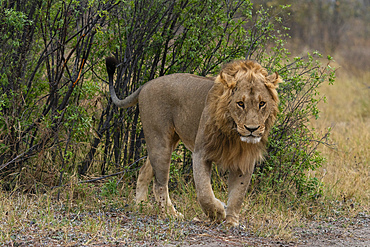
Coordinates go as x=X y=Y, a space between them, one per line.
x=250 y=106
x=250 y=98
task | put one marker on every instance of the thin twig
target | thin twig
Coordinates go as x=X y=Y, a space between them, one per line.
x=114 y=174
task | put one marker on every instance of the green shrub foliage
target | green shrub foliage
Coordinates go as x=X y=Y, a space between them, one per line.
x=56 y=116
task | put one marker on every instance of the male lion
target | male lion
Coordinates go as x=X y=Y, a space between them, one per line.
x=224 y=120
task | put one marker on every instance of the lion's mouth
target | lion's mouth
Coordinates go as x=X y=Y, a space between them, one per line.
x=247 y=138
x=250 y=139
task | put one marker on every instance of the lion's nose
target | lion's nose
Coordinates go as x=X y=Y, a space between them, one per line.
x=251 y=128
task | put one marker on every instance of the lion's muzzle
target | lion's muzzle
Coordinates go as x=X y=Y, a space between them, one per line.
x=250 y=134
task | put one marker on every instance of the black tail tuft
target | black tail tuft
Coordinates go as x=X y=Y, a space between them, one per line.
x=111 y=64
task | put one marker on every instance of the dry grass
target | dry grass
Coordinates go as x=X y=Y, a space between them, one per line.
x=346 y=173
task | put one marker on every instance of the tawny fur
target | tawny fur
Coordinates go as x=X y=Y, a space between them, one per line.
x=225 y=120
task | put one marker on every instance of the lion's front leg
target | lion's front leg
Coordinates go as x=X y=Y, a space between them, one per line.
x=211 y=206
x=238 y=184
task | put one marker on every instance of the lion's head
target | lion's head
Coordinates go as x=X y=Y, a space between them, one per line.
x=243 y=105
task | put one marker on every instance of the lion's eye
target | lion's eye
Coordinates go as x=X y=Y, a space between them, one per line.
x=262 y=104
x=241 y=104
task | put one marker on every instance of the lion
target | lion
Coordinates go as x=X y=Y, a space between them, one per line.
x=223 y=120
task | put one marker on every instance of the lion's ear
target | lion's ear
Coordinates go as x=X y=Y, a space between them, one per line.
x=227 y=80
x=274 y=79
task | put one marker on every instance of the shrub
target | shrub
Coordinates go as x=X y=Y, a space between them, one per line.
x=292 y=147
x=55 y=121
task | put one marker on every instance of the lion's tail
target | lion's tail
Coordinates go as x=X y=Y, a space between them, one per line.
x=129 y=101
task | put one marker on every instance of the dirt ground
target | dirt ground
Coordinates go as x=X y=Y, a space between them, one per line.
x=151 y=231
x=341 y=232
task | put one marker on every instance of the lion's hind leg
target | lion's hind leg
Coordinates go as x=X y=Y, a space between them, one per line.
x=160 y=159
x=146 y=175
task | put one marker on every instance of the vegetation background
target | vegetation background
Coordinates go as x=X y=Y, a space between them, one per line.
x=66 y=150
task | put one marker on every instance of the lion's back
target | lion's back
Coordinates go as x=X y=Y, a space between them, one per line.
x=175 y=101
x=178 y=86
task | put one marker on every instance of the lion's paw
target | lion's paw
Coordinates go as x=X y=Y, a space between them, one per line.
x=179 y=215
x=218 y=212
x=232 y=221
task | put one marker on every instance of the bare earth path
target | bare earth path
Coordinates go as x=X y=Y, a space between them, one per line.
x=342 y=232
x=151 y=231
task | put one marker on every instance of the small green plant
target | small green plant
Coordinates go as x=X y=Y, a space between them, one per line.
x=109 y=189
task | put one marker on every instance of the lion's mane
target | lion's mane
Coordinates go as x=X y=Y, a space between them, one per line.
x=222 y=142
